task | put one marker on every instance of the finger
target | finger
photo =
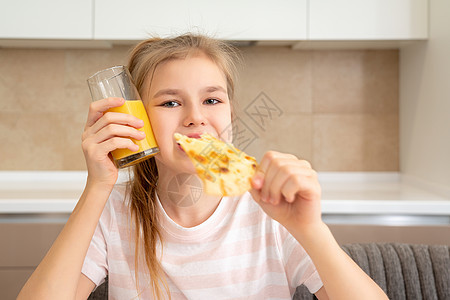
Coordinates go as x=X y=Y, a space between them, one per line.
x=303 y=184
x=266 y=160
x=97 y=108
x=257 y=180
x=118 y=143
x=117 y=130
x=277 y=161
x=256 y=195
x=259 y=177
x=98 y=152
x=115 y=118
x=276 y=168
x=305 y=164
x=280 y=178
x=285 y=168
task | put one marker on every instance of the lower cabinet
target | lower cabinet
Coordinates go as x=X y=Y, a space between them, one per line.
x=12 y=280
x=23 y=245
x=430 y=235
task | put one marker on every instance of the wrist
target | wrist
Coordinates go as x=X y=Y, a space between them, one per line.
x=99 y=185
x=313 y=236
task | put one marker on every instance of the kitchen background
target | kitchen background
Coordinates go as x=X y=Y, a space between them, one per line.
x=360 y=89
x=336 y=108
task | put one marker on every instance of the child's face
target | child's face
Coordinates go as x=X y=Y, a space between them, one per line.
x=188 y=96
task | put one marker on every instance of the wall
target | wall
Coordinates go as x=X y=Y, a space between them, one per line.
x=425 y=104
x=337 y=109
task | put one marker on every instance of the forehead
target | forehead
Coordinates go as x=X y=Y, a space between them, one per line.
x=188 y=69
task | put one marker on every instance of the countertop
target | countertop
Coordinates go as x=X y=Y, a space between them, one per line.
x=347 y=197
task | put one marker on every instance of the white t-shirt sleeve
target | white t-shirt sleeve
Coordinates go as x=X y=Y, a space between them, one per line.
x=298 y=265
x=95 y=265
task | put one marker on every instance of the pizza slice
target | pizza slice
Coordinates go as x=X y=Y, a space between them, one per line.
x=224 y=169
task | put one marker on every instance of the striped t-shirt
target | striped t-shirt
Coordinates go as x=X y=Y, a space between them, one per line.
x=237 y=253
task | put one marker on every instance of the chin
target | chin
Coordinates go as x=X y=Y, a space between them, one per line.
x=178 y=165
x=189 y=168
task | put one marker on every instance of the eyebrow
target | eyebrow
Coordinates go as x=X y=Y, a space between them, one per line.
x=171 y=92
x=215 y=88
x=167 y=92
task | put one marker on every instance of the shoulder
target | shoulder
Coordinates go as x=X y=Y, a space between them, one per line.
x=119 y=197
x=116 y=205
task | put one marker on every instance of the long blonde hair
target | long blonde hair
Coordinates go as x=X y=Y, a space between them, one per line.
x=144 y=59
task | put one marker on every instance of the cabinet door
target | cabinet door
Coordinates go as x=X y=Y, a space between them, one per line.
x=46 y=19
x=368 y=19
x=230 y=20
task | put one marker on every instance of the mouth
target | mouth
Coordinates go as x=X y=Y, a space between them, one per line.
x=179 y=146
x=194 y=135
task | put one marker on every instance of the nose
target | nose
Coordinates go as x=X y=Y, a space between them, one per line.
x=194 y=116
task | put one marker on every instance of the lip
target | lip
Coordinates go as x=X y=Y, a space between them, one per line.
x=194 y=135
x=179 y=146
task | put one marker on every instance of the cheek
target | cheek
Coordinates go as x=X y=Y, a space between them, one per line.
x=159 y=129
x=225 y=127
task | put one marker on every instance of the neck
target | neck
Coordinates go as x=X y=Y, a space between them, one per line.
x=182 y=197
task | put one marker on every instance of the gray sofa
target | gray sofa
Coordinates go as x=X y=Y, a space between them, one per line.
x=404 y=271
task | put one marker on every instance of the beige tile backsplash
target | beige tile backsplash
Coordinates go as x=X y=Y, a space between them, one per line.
x=337 y=109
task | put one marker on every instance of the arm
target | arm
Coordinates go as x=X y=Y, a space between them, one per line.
x=59 y=276
x=287 y=189
x=341 y=276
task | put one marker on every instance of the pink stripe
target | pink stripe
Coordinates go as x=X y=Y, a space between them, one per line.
x=96 y=255
x=270 y=291
x=246 y=221
x=194 y=282
x=283 y=233
x=231 y=250
x=175 y=234
x=293 y=260
x=127 y=281
x=122 y=281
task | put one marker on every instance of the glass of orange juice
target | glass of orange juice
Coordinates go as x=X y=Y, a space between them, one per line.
x=117 y=82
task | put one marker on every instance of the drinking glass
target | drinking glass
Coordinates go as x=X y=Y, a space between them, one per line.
x=117 y=82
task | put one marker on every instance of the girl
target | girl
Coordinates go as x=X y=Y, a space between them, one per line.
x=259 y=245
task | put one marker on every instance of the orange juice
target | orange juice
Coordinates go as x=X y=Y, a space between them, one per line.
x=147 y=146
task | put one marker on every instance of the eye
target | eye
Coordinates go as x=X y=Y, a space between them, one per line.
x=170 y=104
x=211 y=101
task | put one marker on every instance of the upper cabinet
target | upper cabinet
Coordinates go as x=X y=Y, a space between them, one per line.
x=230 y=20
x=95 y=21
x=368 y=19
x=46 y=19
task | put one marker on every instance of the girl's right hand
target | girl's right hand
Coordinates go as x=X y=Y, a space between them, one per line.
x=105 y=132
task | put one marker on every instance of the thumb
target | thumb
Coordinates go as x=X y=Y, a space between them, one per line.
x=257 y=182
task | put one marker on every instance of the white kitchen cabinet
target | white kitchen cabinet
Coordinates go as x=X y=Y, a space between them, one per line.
x=368 y=19
x=230 y=20
x=46 y=19
x=93 y=22
x=23 y=247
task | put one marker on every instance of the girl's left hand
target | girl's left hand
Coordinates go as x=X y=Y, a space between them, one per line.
x=288 y=190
